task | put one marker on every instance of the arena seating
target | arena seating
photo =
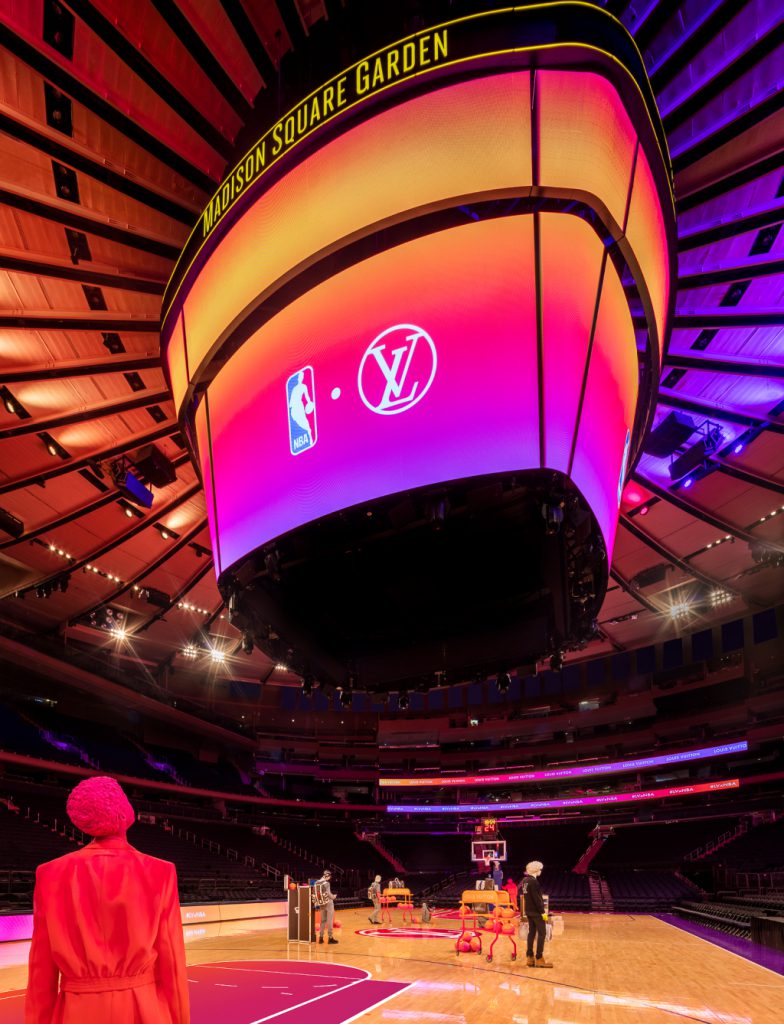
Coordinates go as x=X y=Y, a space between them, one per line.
x=645 y=891
x=760 y=849
x=731 y=920
x=661 y=844
x=21 y=736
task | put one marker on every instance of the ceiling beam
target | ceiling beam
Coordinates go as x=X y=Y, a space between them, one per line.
x=110 y=407
x=80 y=368
x=200 y=573
x=651 y=23
x=73 y=215
x=693 y=39
x=638 y=595
x=83 y=510
x=64 y=270
x=80 y=320
x=664 y=552
x=718 y=79
x=747 y=219
x=101 y=552
x=133 y=58
x=292 y=19
x=182 y=29
x=747 y=476
x=57 y=69
x=678 y=400
x=96 y=165
x=128 y=444
x=79 y=513
x=720 y=525
x=727 y=182
x=745 y=118
x=249 y=38
x=713 y=273
x=715 y=364
x=170 y=551
x=722 y=316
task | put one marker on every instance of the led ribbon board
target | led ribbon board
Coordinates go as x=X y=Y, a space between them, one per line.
x=576 y=772
x=582 y=801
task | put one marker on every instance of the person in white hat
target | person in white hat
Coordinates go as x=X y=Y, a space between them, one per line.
x=533 y=908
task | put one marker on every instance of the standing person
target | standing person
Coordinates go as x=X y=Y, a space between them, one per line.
x=533 y=909
x=497 y=875
x=327 y=909
x=107 y=936
x=374 y=895
x=511 y=887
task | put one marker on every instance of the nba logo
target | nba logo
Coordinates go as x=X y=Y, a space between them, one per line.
x=301 y=406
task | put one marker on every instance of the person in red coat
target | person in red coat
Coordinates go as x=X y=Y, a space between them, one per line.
x=107 y=936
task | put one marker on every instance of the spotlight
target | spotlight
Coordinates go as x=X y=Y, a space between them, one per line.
x=688 y=482
x=553 y=517
x=129 y=513
x=403 y=701
x=247 y=642
x=190 y=651
x=644 y=510
x=556 y=662
x=738 y=448
x=503 y=682
x=164 y=534
x=217 y=655
x=119 y=633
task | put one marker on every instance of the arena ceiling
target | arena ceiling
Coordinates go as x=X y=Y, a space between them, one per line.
x=117 y=123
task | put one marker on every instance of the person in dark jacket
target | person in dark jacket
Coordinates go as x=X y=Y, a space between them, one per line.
x=533 y=908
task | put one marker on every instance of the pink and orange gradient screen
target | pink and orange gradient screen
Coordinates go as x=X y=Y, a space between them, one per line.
x=469 y=288
x=466 y=140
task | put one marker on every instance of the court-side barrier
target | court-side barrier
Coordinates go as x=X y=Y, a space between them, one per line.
x=19 y=927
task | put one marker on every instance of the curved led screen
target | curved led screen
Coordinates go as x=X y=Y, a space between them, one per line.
x=578 y=801
x=417 y=365
x=574 y=772
x=440 y=284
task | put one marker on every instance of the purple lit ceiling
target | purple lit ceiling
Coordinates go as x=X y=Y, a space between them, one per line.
x=118 y=120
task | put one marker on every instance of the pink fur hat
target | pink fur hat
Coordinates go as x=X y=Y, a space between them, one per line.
x=99 y=807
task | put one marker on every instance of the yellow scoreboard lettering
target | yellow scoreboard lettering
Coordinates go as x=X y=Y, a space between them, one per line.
x=393 y=64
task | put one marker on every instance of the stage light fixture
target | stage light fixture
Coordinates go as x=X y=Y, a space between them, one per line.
x=644 y=510
x=552 y=513
x=687 y=482
x=10 y=524
x=217 y=655
x=119 y=633
x=54 y=448
x=130 y=485
x=738 y=448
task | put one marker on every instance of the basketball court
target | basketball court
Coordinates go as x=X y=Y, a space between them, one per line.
x=609 y=969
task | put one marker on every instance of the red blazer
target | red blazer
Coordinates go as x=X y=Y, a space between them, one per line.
x=107 y=940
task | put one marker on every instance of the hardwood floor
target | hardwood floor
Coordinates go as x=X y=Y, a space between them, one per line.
x=609 y=969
